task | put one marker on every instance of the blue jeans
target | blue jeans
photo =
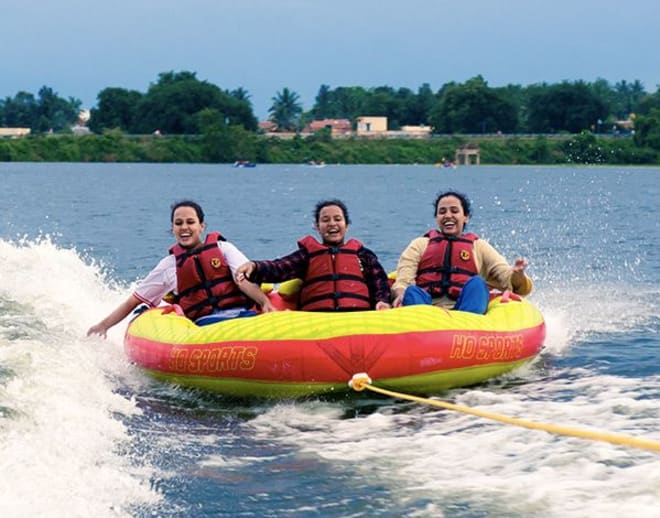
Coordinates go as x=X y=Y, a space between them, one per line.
x=473 y=297
x=219 y=317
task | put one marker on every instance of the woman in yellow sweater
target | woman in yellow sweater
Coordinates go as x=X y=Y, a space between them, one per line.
x=452 y=269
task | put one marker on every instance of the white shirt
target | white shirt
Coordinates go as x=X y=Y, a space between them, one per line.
x=162 y=279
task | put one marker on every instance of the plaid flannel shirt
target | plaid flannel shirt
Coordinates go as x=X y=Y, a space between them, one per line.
x=296 y=263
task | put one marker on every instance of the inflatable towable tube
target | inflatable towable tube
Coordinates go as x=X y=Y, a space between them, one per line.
x=415 y=349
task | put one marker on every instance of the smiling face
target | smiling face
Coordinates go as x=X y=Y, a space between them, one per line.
x=187 y=228
x=450 y=216
x=331 y=225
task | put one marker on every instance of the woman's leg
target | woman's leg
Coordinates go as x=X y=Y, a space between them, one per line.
x=474 y=296
x=415 y=295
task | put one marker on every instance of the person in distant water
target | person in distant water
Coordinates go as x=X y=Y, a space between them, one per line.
x=337 y=275
x=451 y=269
x=199 y=273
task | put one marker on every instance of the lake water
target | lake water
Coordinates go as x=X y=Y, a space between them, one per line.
x=84 y=433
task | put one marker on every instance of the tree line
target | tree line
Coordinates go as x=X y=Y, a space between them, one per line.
x=475 y=107
x=178 y=103
x=45 y=112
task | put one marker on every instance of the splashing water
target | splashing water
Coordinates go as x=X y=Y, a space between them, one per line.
x=63 y=422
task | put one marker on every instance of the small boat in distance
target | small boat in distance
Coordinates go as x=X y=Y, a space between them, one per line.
x=444 y=163
x=314 y=163
x=244 y=163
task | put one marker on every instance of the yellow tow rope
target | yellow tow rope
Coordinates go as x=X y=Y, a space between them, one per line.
x=362 y=381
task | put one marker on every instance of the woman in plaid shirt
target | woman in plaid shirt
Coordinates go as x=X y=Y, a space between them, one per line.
x=337 y=275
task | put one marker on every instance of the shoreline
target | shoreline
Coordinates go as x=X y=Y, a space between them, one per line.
x=116 y=147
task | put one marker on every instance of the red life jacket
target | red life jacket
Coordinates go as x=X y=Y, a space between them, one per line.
x=447 y=264
x=334 y=280
x=204 y=280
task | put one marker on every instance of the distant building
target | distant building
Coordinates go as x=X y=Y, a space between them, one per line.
x=371 y=126
x=83 y=117
x=416 y=131
x=468 y=154
x=336 y=126
x=267 y=126
x=14 y=132
x=366 y=126
x=624 y=126
x=80 y=129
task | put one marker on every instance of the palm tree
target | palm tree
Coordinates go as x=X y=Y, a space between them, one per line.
x=286 y=109
x=241 y=94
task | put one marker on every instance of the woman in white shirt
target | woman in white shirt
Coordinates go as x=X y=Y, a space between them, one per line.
x=200 y=274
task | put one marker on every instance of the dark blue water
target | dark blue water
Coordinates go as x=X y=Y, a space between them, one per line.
x=83 y=433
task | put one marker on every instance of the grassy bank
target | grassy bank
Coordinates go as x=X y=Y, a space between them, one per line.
x=114 y=146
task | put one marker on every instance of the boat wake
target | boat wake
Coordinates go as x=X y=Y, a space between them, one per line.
x=62 y=417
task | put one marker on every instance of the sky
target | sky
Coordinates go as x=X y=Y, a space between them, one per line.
x=80 y=47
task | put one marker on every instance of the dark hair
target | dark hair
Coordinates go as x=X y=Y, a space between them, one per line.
x=327 y=203
x=187 y=203
x=465 y=203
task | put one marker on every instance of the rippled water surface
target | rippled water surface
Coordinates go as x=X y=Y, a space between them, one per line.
x=83 y=433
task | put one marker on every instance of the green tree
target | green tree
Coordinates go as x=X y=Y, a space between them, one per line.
x=46 y=112
x=346 y=102
x=647 y=129
x=323 y=104
x=403 y=100
x=117 y=108
x=602 y=89
x=472 y=107
x=571 y=107
x=399 y=106
x=241 y=94
x=628 y=96
x=418 y=108
x=19 y=111
x=286 y=110
x=171 y=104
x=647 y=103
x=381 y=102
x=54 y=112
